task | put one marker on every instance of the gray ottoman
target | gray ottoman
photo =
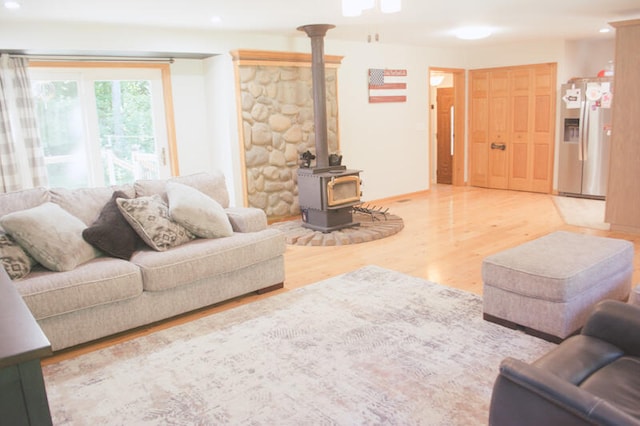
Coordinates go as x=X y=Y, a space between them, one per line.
x=548 y=286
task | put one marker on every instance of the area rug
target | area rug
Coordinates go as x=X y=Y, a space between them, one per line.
x=372 y=346
x=583 y=212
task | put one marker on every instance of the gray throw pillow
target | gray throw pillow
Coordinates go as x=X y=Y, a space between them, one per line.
x=197 y=212
x=51 y=235
x=111 y=233
x=149 y=216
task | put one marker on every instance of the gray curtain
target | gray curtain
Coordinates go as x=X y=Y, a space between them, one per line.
x=22 y=157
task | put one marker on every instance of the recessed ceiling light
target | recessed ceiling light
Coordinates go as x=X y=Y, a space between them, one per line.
x=12 y=5
x=472 y=33
x=605 y=30
x=215 y=19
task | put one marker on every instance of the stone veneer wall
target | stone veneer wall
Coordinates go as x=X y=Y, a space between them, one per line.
x=276 y=109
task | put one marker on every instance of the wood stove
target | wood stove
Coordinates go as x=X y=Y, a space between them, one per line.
x=327 y=197
x=327 y=193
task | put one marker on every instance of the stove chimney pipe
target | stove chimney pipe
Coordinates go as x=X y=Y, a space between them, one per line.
x=317 y=32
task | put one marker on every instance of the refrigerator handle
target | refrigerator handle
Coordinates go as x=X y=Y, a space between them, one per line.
x=583 y=110
x=585 y=132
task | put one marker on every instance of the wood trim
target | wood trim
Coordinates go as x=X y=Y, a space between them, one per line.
x=628 y=23
x=169 y=118
x=267 y=57
x=240 y=123
x=167 y=93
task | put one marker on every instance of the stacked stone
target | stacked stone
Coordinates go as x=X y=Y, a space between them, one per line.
x=277 y=122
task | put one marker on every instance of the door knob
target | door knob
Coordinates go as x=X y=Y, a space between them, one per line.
x=500 y=146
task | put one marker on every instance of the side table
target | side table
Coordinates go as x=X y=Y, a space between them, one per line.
x=23 y=398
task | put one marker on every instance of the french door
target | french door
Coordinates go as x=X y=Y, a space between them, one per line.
x=101 y=126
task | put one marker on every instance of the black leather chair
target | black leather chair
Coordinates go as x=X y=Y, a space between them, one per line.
x=590 y=378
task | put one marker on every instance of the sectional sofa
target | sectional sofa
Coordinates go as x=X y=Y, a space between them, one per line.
x=93 y=262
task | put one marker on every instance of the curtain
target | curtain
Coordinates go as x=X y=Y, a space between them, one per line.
x=22 y=163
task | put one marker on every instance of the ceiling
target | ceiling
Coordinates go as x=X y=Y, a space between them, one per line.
x=421 y=22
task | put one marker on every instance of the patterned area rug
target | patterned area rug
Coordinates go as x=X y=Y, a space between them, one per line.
x=372 y=346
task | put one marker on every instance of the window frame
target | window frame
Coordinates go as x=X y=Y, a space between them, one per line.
x=165 y=76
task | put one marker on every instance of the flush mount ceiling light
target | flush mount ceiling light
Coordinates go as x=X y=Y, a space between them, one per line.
x=472 y=33
x=11 y=5
x=605 y=30
x=356 y=7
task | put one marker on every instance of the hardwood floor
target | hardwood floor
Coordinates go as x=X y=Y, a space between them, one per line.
x=448 y=232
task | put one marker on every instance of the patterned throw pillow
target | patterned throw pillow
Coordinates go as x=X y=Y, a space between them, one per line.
x=149 y=216
x=197 y=212
x=51 y=235
x=14 y=259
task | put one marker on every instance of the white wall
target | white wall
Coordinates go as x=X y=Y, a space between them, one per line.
x=389 y=142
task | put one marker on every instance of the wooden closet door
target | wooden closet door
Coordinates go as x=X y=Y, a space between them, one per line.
x=543 y=128
x=512 y=127
x=520 y=130
x=479 y=128
x=498 y=104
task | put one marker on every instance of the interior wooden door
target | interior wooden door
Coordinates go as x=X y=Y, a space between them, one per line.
x=520 y=130
x=444 y=171
x=543 y=127
x=479 y=128
x=499 y=111
x=512 y=127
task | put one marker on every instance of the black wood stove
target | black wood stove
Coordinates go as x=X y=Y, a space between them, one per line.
x=327 y=193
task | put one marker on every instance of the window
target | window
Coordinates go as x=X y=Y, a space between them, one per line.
x=104 y=124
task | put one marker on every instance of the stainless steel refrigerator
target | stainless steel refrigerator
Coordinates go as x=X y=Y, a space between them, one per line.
x=585 y=127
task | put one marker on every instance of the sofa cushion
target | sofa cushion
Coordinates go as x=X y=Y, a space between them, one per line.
x=149 y=216
x=197 y=212
x=86 y=203
x=212 y=184
x=51 y=235
x=15 y=260
x=21 y=200
x=247 y=219
x=101 y=281
x=111 y=233
x=618 y=383
x=204 y=258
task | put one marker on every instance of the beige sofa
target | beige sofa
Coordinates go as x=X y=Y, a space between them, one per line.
x=95 y=295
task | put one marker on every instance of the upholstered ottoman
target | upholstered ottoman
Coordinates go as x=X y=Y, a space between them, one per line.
x=548 y=286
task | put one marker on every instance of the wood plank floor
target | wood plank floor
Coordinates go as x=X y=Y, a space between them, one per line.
x=448 y=232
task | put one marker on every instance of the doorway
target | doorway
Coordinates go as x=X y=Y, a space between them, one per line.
x=447 y=126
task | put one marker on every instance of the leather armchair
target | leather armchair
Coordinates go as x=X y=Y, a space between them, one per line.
x=590 y=378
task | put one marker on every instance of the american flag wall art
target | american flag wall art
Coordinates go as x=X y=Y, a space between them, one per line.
x=387 y=85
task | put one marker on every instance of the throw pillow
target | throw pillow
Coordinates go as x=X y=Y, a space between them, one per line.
x=197 y=212
x=149 y=216
x=51 y=235
x=111 y=233
x=14 y=259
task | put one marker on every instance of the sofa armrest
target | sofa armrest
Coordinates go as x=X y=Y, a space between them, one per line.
x=617 y=323
x=527 y=395
x=247 y=219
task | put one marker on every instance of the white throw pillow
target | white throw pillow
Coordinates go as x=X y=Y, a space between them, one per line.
x=51 y=235
x=197 y=212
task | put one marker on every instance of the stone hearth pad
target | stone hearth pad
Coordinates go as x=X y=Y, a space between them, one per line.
x=370 y=229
